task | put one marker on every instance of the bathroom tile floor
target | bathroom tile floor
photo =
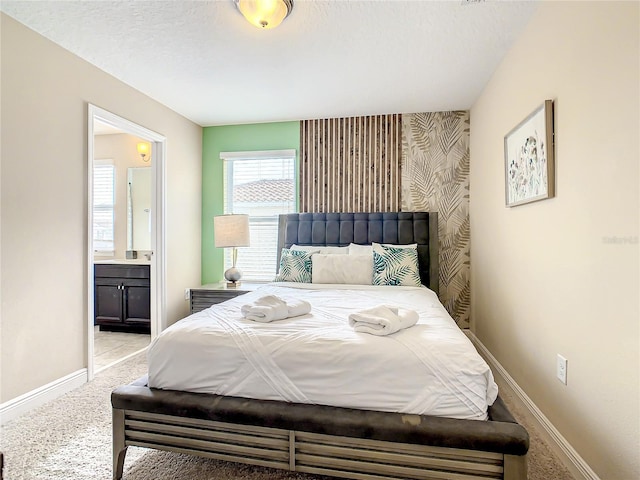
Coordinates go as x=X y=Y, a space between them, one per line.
x=109 y=347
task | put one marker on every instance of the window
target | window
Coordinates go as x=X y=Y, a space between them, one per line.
x=103 y=207
x=262 y=185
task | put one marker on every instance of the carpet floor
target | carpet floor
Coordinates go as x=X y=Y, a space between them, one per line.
x=70 y=438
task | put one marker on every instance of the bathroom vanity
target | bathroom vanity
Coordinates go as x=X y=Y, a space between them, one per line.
x=122 y=296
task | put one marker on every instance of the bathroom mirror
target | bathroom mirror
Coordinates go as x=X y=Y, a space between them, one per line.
x=139 y=208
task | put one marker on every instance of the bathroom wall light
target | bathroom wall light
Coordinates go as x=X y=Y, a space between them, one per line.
x=143 y=150
x=265 y=14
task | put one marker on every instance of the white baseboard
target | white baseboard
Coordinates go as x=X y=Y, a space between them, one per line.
x=35 y=398
x=571 y=457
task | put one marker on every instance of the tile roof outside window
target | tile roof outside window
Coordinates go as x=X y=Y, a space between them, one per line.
x=264 y=191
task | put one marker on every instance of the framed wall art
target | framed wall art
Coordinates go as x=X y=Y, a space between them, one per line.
x=529 y=158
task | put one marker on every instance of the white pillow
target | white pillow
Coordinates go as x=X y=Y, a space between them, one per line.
x=351 y=269
x=396 y=265
x=323 y=250
x=355 y=249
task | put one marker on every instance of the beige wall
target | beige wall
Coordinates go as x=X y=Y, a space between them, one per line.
x=122 y=149
x=45 y=91
x=547 y=277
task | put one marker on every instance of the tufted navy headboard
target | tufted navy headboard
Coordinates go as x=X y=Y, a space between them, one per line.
x=341 y=229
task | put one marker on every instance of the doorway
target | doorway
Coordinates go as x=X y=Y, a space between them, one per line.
x=126 y=258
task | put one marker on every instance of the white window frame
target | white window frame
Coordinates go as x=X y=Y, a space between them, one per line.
x=228 y=194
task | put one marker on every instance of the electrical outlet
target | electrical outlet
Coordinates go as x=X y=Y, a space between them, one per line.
x=561 y=369
x=186 y=293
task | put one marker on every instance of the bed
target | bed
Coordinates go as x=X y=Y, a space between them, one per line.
x=328 y=429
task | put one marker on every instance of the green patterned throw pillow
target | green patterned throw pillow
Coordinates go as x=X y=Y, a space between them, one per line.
x=396 y=265
x=295 y=266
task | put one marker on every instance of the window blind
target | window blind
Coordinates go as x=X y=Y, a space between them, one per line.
x=103 y=208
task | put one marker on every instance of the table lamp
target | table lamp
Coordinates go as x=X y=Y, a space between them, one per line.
x=231 y=231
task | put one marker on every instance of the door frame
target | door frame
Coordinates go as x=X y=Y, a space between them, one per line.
x=158 y=209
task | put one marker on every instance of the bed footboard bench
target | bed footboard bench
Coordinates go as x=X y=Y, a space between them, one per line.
x=341 y=442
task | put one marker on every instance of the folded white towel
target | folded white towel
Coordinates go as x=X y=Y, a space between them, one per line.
x=297 y=307
x=270 y=308
x=382 y=320
x=266 y=309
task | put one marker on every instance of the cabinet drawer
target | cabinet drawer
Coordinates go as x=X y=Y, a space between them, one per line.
x=202 y=299
x=122 y=271
x=125 y=282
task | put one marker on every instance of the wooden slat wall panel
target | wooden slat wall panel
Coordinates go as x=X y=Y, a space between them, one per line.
x=351 y=164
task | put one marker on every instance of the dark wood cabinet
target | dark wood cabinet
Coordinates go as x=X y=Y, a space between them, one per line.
x=207 y=295
x=122 y=297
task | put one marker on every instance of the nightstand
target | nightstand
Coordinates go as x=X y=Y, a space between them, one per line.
x=207 y=295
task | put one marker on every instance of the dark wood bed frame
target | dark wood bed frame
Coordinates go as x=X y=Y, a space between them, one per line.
x=319 y=439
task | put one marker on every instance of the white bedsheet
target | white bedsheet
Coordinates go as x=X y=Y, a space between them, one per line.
x=431 y=368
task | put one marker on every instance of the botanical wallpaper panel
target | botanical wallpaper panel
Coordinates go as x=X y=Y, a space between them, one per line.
x=435 y=178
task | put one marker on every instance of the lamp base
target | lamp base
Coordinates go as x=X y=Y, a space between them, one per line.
x=233 y=276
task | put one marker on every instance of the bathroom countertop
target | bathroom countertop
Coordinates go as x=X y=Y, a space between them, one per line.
x=125 y=261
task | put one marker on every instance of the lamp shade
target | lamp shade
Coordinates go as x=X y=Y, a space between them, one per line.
x=143 y=148
x=231 y=231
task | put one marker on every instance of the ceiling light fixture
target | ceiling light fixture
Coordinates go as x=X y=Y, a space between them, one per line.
x=264 y=14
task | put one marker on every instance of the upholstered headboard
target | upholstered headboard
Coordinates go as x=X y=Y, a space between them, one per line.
x=341 y=229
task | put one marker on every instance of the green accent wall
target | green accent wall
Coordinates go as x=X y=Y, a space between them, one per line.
x=233 y=138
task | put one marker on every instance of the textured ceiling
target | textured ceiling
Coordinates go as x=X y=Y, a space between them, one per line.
x=327 y=59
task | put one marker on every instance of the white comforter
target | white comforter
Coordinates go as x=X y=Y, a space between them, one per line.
x=431 y=368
